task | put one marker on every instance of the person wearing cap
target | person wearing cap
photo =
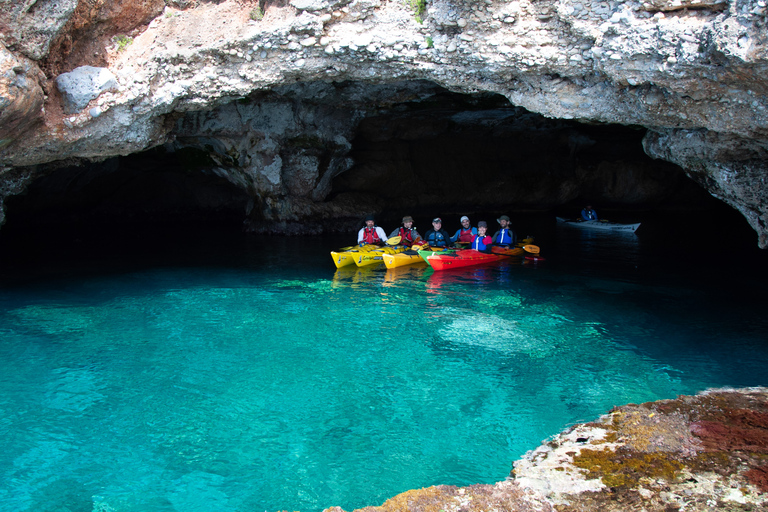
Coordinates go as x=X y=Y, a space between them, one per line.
x=481 y=241
x=371 y=233
x=437 y=236
x=406 y=232
x=465 y=233
x=588 y=213
x=504 y=237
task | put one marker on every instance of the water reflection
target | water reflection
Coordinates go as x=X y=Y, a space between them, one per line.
x=407 y=272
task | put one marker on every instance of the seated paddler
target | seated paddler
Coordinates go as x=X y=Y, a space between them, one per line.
x=437 y=236
x=465 y=233
x=371 y=233
x=406 y=232
x=588 y=214
x=504 y=237
x=481 y=241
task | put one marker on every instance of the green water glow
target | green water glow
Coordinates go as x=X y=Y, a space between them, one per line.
x=273 y=386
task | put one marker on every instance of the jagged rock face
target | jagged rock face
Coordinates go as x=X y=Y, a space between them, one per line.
x=311 y=151
x=730 y=167
x=21 y=97
x=681 y=69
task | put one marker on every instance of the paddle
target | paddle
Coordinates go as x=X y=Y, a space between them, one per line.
x=394 y=240
x=533 y=249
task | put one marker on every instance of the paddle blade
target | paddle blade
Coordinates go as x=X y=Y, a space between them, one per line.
x=533 y=249
x=394 y=240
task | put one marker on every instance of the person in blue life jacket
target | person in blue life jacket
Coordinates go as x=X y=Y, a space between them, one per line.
x=406 y=232
x=588 y=213
x=371 y=233
x=481 y=241
x=465 y=233
x=437 y=236
x=504 y=237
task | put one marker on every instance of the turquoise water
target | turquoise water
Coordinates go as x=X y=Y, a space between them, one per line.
x=249 y=374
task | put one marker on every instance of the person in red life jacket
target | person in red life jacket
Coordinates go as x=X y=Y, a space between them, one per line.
x=504 y=237
x=465 y=233
x=406 y=232
x=371 y=233
x=437 y=236
x=481 y=241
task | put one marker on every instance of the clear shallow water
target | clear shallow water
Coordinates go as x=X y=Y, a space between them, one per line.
x=229 y=373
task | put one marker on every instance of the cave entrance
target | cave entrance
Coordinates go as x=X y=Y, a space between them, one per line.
x=456 y=154
x=160 y=187
x=416 y=148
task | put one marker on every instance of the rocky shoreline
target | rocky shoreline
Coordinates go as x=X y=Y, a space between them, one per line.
x=694 y=453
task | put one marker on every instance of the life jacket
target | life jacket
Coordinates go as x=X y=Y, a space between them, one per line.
x=406 y=235
x=590 y=214
x=465 y=235
x=370 y=236
x=437 y=238
x=506 y=237
x=478 y=243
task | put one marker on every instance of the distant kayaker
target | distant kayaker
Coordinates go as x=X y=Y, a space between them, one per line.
x=465 y=233
x=437 y=236
x=504 y=237
x=406 y=232
x=481 y=241
x=588 y=213
x=371 y=233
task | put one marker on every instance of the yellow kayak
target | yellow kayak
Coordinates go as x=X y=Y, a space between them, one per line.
x=375 y=256
x=409 y=257
x=346 y=255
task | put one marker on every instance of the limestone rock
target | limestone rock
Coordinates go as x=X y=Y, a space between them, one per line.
x=21 y=95
x=30 y=26
x=80 y=86
x=689 y=65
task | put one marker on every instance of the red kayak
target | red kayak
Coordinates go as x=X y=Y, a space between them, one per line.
x=462 y=258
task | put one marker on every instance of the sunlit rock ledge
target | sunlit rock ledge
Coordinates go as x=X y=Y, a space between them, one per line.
x=694 y=453
x=693 y=72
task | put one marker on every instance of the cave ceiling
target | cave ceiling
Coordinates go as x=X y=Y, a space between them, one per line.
x=280 y=112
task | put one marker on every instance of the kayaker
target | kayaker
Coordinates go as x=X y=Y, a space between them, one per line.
x=406 y=232
x=371 y=233
x=465 y=233
x=504 y=237
x=588 y=213
x=437 y=236
x=481 y=241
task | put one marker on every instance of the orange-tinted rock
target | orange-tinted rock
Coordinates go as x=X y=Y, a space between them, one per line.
x=21 y=96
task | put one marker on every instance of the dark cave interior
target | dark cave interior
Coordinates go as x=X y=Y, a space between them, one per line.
x=453 y=154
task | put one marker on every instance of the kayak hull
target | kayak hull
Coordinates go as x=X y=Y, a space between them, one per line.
x=375 y=256
x=401 y=259
x=347 y=255
x=426 y=253
x=460 y=259
x=599 y=225
x=516 y=251
x=342 y=258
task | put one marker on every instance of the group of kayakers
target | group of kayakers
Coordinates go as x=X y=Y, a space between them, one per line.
x=438 y=237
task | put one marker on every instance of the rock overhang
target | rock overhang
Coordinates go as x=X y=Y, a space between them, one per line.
x=667 y=66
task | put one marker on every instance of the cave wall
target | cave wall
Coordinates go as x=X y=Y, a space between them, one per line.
x=273 y=160
x=683 y=70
